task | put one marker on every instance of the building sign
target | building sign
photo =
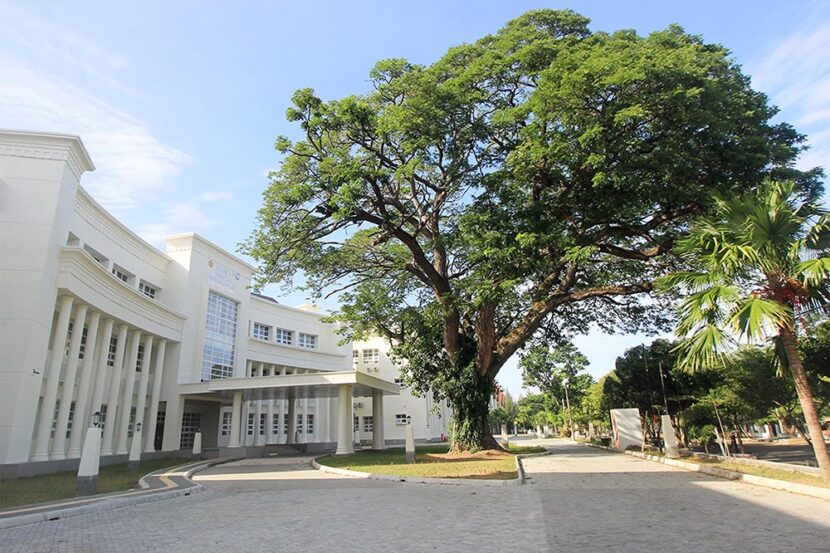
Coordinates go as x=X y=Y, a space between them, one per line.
x=221 y=277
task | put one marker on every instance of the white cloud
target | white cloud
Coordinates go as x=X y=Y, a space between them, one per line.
x=131 y=163
x=795 y=73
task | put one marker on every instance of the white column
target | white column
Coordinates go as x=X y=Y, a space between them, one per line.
x=47 y=405
x=112 y=397
x=344 y=421
x=259 y=439
x=377 y=420
x=282 y=435
x=269 y=424
x=236 y=416
x=315 y=437
x=292 y=418
x=102 y=368
x=150 y=433
x=84 y=387
x=141 y=398
x=68 y=389
x=127 y=398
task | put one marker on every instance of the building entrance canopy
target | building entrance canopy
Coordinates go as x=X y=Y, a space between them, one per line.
x=308 y=385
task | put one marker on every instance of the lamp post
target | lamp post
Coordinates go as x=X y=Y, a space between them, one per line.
x=568 y=405
x=86 y=482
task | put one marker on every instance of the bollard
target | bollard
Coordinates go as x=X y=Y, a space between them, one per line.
x=87 y=481
x=410 y=444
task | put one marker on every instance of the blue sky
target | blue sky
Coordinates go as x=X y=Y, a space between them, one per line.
x=179 y=102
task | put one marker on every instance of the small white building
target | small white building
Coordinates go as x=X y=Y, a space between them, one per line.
x=93 y=319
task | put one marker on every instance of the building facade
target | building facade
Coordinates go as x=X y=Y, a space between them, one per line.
x=95 y=323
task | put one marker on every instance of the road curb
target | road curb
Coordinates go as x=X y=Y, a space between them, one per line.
x=772 y=483
x=518 y=481
x=145 y=493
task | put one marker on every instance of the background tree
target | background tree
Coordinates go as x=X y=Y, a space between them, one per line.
x=551 y=370
x=527 y=185
x=764 y=260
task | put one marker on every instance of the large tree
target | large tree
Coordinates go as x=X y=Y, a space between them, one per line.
x=527 y=185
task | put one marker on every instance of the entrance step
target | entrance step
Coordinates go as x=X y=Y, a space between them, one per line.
x=283 y=450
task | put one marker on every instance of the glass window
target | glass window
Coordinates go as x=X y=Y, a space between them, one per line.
x=356 y=424
x=147 y=289
x=121 y=274
x=400 y=383
x=371 y=356
x=263 y=420
x=262 y=332
x=401 y=418
x=250 y=429
x=285 y=424
x=355 y=355
x=299 y=423
x=275 y=424
x=220 y=335
x=368 y=424
x=140 y=358
x=111 y=352
x=226 y=423
x=190 y=425
x=309 y=426
x=83 y=343
x=307 y=340
x=282 y=336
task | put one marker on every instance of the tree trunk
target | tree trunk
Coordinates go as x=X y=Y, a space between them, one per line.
x=470 y=413
x=805 y=397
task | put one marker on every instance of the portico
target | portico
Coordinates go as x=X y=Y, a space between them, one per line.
x=343 y=386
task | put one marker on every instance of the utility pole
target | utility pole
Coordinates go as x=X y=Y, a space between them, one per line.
x=663 y=386
x=568 y=403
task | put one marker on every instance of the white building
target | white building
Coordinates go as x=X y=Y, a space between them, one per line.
x=95 y=320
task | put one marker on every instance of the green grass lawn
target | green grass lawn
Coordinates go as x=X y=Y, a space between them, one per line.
x=767 y=472
x=61 y=485
x=432 y=461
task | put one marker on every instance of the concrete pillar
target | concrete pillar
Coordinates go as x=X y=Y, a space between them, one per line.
x=315 y=437
x=68 y=389
x=269 y=424
x=47 y=405
x=79 y=424
x=112 y=397
x=102 y=368
x=87 y=480
x=378 y=441
x=259 y=439
x=236 y=417
x=127 y=398
x=152 y=416
x=141 y=395
x=292 y=418
x=344 y=421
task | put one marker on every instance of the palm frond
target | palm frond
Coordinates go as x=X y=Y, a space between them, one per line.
x=707 y=348
x=814 y=272
x=756 y=318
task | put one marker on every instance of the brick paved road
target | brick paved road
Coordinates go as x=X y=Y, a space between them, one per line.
x=578 y=499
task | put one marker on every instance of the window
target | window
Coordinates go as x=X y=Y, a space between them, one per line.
x=282 y=336
x=132 y=423
x=263 y=420
x=71 y=418
x=400 y=383
x=83 y=343
x=262 y=332
x=220 y=335
x=225 y=429
x=355 y=355
x=190 y=425
x=368 y=424
x=275 y=424
x=299 y=423
x=371 y=356
x=285 y=424
x=140 y=359
x=147 y=289
x=309 y=424
x=103 y=417
x=111 y=352
x=356 y=424
x=250 y=430
x=100 y=258
x=401 y=418
x=121 y=274
x=307 y=340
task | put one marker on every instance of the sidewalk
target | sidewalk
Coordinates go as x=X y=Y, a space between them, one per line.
x=161 y=484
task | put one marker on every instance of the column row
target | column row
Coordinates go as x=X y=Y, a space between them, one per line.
x=96 y=372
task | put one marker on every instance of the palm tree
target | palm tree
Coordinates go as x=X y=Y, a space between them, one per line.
x=764 y=263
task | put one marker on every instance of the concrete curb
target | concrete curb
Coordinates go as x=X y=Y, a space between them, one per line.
x=145 y=494
x=772 y=483
x=518 y=481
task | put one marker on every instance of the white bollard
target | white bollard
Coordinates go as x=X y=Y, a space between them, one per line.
x=410 y=444
x=87 y=480
x=197 y=445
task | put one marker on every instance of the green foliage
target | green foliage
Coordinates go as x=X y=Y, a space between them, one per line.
x=522 y=187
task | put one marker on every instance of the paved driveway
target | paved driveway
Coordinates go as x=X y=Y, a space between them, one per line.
x=578 y=499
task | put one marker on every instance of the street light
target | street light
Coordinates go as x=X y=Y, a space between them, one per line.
x=568 y=404
x=96 y=419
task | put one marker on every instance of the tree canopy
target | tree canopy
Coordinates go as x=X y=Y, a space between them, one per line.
x=526 y=186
